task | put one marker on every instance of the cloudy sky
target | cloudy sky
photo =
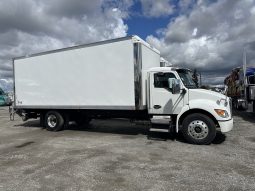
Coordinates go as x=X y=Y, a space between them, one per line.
x=208 y=35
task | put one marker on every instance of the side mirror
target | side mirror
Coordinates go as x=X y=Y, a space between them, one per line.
x=174 y=85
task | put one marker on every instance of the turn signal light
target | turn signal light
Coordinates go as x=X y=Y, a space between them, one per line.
x=222 y=113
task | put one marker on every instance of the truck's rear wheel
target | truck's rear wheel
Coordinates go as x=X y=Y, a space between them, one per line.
x=54 y=121
x=198 y=129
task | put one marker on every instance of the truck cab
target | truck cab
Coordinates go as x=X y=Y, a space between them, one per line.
x=195 y=112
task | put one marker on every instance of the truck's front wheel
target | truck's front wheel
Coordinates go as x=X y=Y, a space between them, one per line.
x=198 y=129
x=54 y=121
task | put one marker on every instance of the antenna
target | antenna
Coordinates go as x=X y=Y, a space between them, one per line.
x=244 y=66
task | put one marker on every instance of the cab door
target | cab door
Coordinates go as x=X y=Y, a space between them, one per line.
x=162 y=100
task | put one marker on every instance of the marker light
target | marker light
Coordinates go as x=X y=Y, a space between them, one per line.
x=222 y=113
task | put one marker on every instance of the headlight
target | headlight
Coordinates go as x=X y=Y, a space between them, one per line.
x=222 y=113
x=225 y=102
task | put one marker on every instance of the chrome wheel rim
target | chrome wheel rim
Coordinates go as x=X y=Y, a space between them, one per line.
x=52 y=121
x=198 y=129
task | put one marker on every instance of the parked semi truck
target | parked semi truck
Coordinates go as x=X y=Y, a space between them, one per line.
x=241 y=87
x=119 y=78
x=4 y=99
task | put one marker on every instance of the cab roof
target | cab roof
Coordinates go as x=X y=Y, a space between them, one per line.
x=164 y=69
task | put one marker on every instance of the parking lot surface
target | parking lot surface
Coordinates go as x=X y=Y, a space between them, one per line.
x=118 y=155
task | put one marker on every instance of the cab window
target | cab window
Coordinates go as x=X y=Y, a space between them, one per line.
x=161 y=79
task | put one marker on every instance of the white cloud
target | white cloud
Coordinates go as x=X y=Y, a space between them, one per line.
x=31 y=26
x=157 y=8
x=210 y=37
x=194 y=33
x=5 y=84
x=207 y=35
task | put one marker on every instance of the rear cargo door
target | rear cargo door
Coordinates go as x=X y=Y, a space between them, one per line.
x=162 y=100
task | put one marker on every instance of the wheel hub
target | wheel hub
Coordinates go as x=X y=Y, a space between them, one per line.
x=52 y=121
x=198 y=129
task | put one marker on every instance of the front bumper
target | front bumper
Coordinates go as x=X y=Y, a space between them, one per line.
x=226 y=126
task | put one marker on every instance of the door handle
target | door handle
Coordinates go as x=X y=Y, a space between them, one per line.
x=157 y=106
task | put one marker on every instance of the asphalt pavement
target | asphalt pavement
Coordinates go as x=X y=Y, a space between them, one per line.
x=117 y=155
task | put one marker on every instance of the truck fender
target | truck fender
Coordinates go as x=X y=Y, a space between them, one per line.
x=184 y=109
x=198 y=108
x=208 y=106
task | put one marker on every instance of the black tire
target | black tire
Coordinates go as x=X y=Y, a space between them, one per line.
x=198 y=129
x=234 y=103
x=54 y=121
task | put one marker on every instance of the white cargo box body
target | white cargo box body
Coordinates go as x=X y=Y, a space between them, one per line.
x=105 y=75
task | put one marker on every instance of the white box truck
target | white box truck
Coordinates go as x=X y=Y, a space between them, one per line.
x=119 y=78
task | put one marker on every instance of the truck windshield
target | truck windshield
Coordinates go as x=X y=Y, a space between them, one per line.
x=1 y=92
x=186 y=78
